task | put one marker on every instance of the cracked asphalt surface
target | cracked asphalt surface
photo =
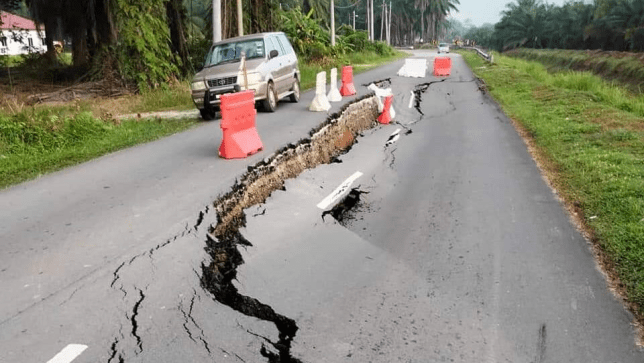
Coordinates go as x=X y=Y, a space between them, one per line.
x=453 y=249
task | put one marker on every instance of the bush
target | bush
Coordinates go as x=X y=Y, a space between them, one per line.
x=383 y=48
x=308 y=38
x=313 y=43
x=47 y=130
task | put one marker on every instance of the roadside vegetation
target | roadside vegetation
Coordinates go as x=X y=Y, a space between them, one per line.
x=59 y=109
x=34 y=142
x=588 y=136
x=312 y=43
x=597 y=24
x=624 y=67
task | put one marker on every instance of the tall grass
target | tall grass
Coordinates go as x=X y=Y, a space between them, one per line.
x=626 y=68
x=34 y=142
x=594 y=86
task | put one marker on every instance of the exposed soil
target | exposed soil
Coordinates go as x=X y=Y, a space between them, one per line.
x=25 y=86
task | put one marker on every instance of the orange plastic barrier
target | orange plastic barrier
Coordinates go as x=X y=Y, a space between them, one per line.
x=442 y=66
x=238 y=125
x=385 y=116
x=348 y=88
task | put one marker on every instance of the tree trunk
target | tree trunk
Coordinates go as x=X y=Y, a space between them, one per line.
x=50 y=33
x=106 y=32
x=176 y=21
x=80 y=51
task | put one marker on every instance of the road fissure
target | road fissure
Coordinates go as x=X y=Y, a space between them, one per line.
x=327 y=141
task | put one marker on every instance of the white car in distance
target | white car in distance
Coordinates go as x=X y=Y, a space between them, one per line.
x=443 y=48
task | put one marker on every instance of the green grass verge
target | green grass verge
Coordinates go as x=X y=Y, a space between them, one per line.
x=625 y=68
x=361 y=62
x=32 y=144
x=591 y=135
x=175 y=97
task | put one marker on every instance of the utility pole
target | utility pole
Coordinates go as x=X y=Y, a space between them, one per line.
x=373 y=34
x=367 y=23
x=354 y=20
x=382 y=18
x=332 y=24
x=389 y=25
x=240 y=23
x=216 y=21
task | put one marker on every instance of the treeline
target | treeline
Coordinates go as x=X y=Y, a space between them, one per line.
x=146 y=43
x=602 y=24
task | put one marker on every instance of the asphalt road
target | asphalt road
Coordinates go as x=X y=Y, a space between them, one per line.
x=457 y=250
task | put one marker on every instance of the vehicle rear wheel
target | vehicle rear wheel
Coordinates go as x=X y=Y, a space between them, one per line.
x=208 y=114
x=270 y=103
x=295 y=96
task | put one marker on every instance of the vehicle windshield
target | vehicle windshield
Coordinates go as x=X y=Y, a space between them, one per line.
x=231 y=52
x=442 y=45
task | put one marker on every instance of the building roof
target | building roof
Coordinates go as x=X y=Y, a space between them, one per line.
x=12 y=21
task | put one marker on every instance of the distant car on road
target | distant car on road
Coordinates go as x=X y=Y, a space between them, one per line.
x=271 y=71
x=443 y=48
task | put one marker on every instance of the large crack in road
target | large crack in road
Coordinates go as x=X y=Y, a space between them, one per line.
x=223 y=240
x=254 y=187
x=218 y=278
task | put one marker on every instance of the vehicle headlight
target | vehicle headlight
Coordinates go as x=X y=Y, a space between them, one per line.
x=198 y=86
x=253 y=78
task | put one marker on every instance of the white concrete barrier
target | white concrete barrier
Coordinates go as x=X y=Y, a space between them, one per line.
x=334 y=93
x=320 y=102
x=413 y=67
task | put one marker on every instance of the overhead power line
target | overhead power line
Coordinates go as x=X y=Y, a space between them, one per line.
x=349 y=6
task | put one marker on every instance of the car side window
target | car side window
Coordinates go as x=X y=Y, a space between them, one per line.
x=281 y=48
x=269 y=45
x=287 y=45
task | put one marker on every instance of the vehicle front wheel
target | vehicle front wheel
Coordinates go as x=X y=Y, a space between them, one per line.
x=270 y=103
x=295 y=96
x=208 y=114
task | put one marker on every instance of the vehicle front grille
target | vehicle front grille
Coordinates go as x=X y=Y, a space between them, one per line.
x=219 y=82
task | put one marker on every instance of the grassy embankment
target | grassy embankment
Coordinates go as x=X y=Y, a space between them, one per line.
x=623 y=67
x=35 y=140
x=589 y=138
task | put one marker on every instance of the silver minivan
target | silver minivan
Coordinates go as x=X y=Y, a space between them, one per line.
x=271 y=71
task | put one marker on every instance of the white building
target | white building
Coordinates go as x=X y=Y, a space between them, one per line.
x=19 y=35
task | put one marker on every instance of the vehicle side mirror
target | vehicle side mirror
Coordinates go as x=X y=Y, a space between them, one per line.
x=273 y=54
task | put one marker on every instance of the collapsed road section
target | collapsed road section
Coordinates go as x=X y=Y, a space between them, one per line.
x=332 y=138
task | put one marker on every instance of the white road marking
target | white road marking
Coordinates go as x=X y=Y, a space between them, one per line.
x=68 y=354
x=339 y=191
x=411 y=100
x=393 y=138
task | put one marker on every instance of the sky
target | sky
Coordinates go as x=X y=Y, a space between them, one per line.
x=486 y=11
